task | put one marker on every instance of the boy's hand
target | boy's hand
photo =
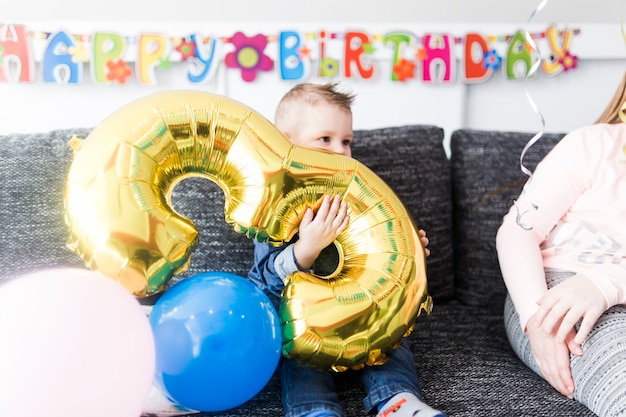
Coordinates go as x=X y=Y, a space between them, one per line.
x=424 y=240
x=318 y=230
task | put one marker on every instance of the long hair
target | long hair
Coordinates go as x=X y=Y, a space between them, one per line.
x=611 y=113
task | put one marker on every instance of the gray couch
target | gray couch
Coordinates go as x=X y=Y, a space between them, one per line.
x=462 y=354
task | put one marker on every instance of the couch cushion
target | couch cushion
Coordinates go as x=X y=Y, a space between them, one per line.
x=467 y=368
x=486 y=178
x=412 y=161
x=220 y=248
x=33 y=168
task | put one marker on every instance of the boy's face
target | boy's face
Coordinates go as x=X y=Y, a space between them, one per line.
x=325 y=126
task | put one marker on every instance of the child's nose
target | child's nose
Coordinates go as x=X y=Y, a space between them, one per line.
x=338 y=148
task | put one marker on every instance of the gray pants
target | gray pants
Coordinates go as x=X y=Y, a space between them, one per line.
x=600 y=373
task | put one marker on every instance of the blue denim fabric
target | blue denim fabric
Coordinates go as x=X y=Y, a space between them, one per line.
x=306 y=389
x=263 y=272
x=396 y=375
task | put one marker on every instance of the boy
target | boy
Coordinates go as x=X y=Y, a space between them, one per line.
x=320 y=117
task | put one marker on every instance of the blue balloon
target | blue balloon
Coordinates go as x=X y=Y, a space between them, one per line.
x=217 y=339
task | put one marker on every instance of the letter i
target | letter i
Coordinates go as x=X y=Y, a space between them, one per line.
x=322 y=57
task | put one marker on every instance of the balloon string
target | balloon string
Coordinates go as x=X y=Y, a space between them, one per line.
x=531 y=72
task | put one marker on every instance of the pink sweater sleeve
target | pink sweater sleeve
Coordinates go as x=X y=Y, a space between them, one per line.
x=579 y=187
x=521 y=266
x=555 y=185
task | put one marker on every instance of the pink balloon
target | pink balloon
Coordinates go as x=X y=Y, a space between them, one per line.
x=74 y=343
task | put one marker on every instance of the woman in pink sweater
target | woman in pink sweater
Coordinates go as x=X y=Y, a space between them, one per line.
x=562 y=252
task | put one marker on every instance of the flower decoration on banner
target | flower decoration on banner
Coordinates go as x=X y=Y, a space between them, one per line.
x=568 y=61
x=329 y=67
x=80 y=52
x=304 y=52
x=118 y=71
x=187 y=49
x=492 y=60
x=165 y=64
x=421 y=54
x=368 y=48
x=249 y=55
x=404 y=70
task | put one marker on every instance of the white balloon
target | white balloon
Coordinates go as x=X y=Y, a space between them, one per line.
x=73 y=343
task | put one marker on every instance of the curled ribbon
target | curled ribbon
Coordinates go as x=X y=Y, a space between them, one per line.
x=531 y=72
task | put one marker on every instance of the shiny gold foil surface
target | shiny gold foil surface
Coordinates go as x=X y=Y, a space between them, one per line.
x=121 y=220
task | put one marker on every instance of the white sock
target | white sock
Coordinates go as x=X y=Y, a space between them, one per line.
x=406 y=404
x=158 y=404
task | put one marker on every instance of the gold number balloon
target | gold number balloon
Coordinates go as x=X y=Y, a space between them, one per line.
x=121 y=220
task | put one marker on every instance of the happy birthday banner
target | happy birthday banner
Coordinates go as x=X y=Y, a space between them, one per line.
x=294 y=56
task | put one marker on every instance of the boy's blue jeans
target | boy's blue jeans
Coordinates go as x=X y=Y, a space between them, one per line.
x=306 y=389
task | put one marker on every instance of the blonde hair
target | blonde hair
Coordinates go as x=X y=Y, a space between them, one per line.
x=611 y=113
x=289 y=108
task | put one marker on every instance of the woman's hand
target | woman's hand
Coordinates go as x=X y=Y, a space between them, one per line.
x=318 y=230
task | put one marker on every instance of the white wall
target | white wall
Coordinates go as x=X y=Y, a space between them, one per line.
x=296 y=11
x=566 y=101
